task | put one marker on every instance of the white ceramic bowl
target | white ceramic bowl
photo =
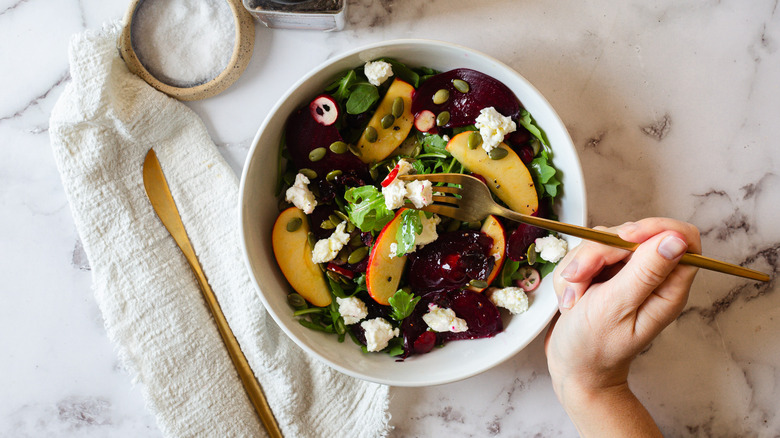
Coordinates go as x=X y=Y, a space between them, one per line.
x=258 y=210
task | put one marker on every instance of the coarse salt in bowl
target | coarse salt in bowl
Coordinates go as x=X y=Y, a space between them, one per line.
x=258 y=211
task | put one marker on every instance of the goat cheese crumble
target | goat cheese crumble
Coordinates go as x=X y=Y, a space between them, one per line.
x=551 y=248
x=352 y=309
x=377 y=72
x=429 y=233
x=493 y=127
x=420 y=192
x=378 y=333
x=300 y=195
x=513 y=299
x=444 y=320
x=326 y=250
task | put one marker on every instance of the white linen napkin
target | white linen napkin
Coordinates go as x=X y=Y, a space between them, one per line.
x=101 y=128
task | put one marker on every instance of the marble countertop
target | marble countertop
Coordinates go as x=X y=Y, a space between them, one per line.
x=673 y=107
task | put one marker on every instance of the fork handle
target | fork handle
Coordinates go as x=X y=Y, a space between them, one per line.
x=612 y=239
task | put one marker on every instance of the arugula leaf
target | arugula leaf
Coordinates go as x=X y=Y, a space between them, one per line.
x=410 y=227
x=366 y=208
x=435 y=144
x=395 y=347
x=545 y=176
x=528 y=123
x=403 y=72
x=402 y=303
x=459 y=129
x=544 y=267
x=510 y=267
x=343 y=85
x=362 y=97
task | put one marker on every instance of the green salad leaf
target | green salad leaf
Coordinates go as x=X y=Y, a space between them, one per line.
x=545 y=176
x=529 y=123
x=366 y=208
x=435 y=144
x=363 y=96
x=402 y=303
x=407 y=232
x=343 y=86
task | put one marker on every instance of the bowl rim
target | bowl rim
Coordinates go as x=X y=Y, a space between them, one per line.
x=581 y=220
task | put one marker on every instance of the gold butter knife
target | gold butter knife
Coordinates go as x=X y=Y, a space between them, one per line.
x=162 y=201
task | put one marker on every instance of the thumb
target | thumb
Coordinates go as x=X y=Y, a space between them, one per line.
x=647 y=268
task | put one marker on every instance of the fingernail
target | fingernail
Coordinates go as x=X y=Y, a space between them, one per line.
x=672 y=247
x=567 y=300
x=570 y=270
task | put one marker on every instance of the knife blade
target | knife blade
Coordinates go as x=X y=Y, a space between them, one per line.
x=162 y=201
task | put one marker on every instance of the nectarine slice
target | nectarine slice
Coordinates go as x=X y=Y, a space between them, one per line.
x=388 y=139
x=384 y=272
x=493 y=228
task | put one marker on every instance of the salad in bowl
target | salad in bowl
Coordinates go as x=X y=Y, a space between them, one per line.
x=361 y=264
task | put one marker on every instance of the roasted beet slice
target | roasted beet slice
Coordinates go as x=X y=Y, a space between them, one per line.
x=520 y=239
x=482 y=316
x=484 y=91
x=304 y=134
x=450 y=262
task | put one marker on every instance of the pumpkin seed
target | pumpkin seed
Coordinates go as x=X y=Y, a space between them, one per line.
x=308 y=173
x=453 y=225
x=333 y=174
x=296 y=301
x=371 y=134
x=317 y=154
x=387 y=121
x=475 y=140
x=531 y=253
x=333 y=276
x=341 y=215
x=497 y=153
x=475 y=225
x=461 y=85
x=338 y=147
x=294 y=224
x=373 y=173
x=398 y=107
x=479 y=284
x=443 y=118
x=350 y=227
x=335 y=219
x=312 y=240
x=355 y=151
x=327 y=225
x=358 y=255
x=441 y=96
x=355 y=241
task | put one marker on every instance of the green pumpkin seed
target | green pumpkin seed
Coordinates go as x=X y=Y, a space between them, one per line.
x=479 y=284
x=453 y=225
x=327 y=225
x=317 y=154
x=350 y=227
x=398 y=107
x=335 y=219
x=341 y=215
x=312 y=240
x=333 y=174
x=531 y=254
x=355 y=151
x=358 y=255
x=338 y=147
x=373 y=173
x=475 y=140
x=294 y=224
x=497 y=153
x=355 y=241
x=461 y=85
x=387 y=121
x=417 y=149
x=441 y=96
x=308 y=173
x=371 y=134
x=443 y=118
x=475 y=225
x=296 y=301
x=333 y=276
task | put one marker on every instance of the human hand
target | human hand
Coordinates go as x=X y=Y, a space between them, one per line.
x=613 y=304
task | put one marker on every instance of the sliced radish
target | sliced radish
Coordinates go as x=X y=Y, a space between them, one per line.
x=324 y=110
x=340 y=270
x=425 y=121
x=529 y=278
x=391 y=176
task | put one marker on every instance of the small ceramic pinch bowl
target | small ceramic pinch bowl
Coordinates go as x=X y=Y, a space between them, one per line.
x=258 y=211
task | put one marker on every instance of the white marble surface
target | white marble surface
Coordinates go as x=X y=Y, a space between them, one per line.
x=673 y=106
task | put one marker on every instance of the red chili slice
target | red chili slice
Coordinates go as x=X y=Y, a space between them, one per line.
x=391 y=176
x=340 y=270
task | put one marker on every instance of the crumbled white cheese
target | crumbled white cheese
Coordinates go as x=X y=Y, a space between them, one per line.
x=420 y=192
x=429 y=233
x=404 y=167
x=394 y=194
x=326 y=250
x=551 y=248
x=444 y=320
x=513 y=299
x=300 y=195
x=378 y=333
x=393 y=250
x=493 y=127
x=352 y=309
x=377 y=72
x=445 y=137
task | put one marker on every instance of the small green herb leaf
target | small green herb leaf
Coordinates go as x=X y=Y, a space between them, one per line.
x=530 y=124
x=362 y=97
x=402 y=303
x=407 y=232
x=366 y=208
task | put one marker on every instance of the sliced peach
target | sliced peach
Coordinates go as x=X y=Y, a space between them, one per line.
x=293 y=255
x=383 y=272
x=508 y=178
x=388 y=139
x=493 y=228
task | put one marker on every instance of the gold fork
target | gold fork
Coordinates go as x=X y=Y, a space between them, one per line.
x=472 y=201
